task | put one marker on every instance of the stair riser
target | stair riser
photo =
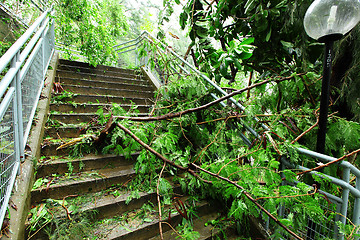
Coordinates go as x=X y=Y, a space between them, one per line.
x=50 y=150
x=59 y=192
x=88 y=108
x=67 y=132
x=108 y=99
x=119 y=207
x=61 y=168
x=127 y=93
x=78 y=118
x=64 y=74
x=99 y=67
x=72 y=118
x=109 y=85
x=106 y=72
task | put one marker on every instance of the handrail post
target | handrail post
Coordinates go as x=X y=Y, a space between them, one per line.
x=345 y=198
x=17 y=108
x=43 y=47
x=356 y=212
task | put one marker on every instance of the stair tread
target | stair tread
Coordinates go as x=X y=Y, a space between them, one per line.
x=60 y=165
x=142 y=230
x=104 y=71
x=86 y=65
x=98 y=104
x=87 y=114
x=102 y=79
x=63 y=73
x=199 y=226
x=91 y=87
x=94 y=107
x=92 y=176
x=88 y=181
x=97 y=83
x=89 y=157
x=100 y=97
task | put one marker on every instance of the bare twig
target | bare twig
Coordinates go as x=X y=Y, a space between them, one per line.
x=66 y=209
x=329 y=163
x=158 y=200
x=309 y=129
x=293 y=196
x=217 y=134
x=249 y=84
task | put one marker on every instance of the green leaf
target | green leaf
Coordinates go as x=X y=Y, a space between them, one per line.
x=268 y=36
x=250 y=5
x=287 y=44
x=164 y=186
x=238 y=209
x=248 y=41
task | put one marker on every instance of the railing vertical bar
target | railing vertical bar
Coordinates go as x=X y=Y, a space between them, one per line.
x=6 y=101
x=16 y=168
x=18 y=123
x=345 y=198
x=356 y=212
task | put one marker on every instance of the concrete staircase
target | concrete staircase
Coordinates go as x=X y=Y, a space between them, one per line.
x=95 y=185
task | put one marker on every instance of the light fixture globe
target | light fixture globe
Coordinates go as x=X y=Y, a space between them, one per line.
x=331 y=19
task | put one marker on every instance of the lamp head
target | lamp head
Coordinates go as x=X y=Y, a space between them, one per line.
x=331 y=19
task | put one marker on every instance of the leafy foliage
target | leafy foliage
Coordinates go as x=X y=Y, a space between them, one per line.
x=90 y=26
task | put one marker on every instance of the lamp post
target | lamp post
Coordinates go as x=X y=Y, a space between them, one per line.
x=328 y=21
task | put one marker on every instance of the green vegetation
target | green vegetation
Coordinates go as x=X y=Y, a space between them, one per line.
x=237 y=44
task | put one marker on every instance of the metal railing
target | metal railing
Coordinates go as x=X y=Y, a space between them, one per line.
x=341 y=204
x=23 y=68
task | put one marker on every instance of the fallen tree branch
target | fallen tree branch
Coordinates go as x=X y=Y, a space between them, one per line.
x=191 y=110
x=309 y=129
x=250 y=198
x=193 y=167
x=147 y=147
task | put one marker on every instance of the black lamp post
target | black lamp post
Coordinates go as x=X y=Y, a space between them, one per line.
x=328 y=21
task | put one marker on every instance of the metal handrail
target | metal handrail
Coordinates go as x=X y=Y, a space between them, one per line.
x=20 y=90
x=347 y=167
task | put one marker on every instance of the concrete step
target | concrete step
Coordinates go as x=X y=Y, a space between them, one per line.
x=69 y=132
x=127 y=93
x=84 y=182
x=106 y=84
x=60 y=166
x=130 y=79
x=109 y=71
x=91 y=108
x=84 y=98
x=99 y=67
x=147 y=230
x=77 y=118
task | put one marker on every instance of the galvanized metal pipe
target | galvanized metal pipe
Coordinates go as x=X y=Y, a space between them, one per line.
x=10 y=53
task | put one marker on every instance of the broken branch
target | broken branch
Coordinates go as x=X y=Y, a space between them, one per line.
x=250 y=198
x=191 y=110
x=329 y=163
x=193 y=166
